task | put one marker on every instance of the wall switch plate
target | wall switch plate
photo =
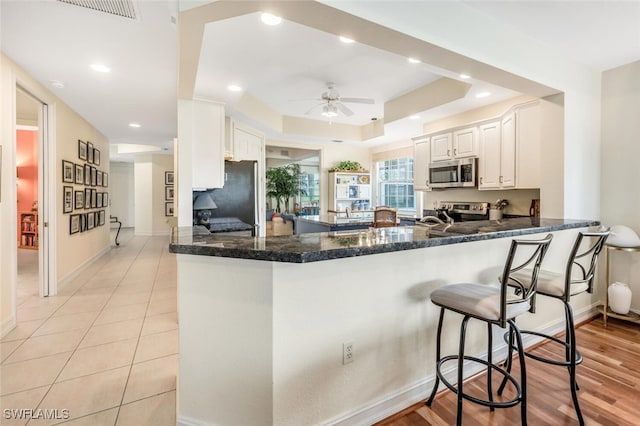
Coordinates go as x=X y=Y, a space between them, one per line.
x=347 y=353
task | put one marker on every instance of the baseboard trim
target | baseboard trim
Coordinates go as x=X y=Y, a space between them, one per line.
x=187 y=421
x=153 y=233
x=76 y=272
x=8 y=325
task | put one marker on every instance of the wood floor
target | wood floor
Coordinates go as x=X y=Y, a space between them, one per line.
x=609 y=380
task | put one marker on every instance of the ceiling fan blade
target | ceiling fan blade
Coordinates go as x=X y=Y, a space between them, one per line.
x=304 y=99
x=358 y=100
x=343 y=108
x=312 y=108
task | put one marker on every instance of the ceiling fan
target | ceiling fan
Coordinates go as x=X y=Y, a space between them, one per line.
x=332 y=102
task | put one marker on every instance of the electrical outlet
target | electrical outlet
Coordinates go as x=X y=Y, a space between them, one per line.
x=347 y=353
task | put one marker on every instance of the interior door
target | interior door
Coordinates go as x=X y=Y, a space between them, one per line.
x=44 y=204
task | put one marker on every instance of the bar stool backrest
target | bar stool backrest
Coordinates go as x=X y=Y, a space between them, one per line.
x=384 y=217
x=581 y=266
x=533 y=252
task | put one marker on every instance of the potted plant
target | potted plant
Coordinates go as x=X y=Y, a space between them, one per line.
x=348 y=166
x=283 y=183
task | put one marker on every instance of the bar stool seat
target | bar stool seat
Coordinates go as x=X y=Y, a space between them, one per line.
x=495 y=305
x=578 y=278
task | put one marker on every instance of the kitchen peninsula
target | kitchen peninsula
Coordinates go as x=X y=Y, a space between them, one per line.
x=263 y=321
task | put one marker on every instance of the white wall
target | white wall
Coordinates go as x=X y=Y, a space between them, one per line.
x=122 y=183
x=620 y=170
x=149 y=173
x=66 y=128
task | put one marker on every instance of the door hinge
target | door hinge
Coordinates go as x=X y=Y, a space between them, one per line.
x=45 y=224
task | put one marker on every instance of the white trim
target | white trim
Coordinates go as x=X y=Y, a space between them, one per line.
x=76 y=272
x=153 y=233
x=7 y=326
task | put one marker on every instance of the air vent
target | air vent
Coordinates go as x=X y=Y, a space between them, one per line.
x=123 y=8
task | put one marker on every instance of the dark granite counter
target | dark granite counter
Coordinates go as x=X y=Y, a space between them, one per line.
x=341 y=244
x=329 y=223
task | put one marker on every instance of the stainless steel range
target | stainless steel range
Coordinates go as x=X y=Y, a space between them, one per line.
x=454 y=212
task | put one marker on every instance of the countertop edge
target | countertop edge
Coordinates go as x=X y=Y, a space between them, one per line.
x=303 y=256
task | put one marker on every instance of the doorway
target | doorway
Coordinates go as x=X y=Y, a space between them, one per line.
x=32 y=233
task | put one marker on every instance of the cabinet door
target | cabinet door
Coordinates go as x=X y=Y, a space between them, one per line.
x=489 y=161
x=465 y=143
x=441 y=147
x=508 y=152
x=528 y=147
x=246 y=145
x=421 y=155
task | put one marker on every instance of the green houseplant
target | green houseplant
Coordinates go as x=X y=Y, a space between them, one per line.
x=283 y=183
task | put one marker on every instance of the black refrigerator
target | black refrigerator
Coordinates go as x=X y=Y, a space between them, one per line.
x=237 y=199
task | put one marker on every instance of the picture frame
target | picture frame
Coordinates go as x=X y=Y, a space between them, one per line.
x=99 y=200
x=98 y=178
x=105 y=199
x=67 y=171
x=101 y=218
x=83 y=222
x=79 y=174
x=168 y=193
x=82 y=150
x=96 y=156
x=105 y=179
x=91 y=220
x=94 y=200
x=87 y=175
x=94 y=172
x=168 y=178
x=74 y=224
x=67 y=199
x=89 y=153
x=87 y=198
x=79 y=200
x=168 y=208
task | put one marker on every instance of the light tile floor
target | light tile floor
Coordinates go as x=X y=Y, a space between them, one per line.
x=105 y=348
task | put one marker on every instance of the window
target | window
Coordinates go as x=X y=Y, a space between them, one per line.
x=395 y=183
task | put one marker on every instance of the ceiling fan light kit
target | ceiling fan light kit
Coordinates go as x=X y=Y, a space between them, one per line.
x=332 y=103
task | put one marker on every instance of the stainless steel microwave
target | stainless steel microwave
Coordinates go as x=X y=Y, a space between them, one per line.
x=460 y=173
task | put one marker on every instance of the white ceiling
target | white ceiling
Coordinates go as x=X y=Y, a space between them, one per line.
x=57 y=41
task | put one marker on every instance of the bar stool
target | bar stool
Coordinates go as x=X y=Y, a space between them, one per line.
x=493 y=305
x=578 y=278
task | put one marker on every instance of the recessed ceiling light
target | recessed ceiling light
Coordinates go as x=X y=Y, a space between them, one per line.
x=57 y=84
x=270 y=19
x=100 y=68
x=483 y=94
x=413 y=60
x=414 y=117
x=346 y=39
x=465 y=76
x=234 y=88
x=134 y=125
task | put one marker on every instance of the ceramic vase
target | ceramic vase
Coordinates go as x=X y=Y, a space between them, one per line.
x=619 y=298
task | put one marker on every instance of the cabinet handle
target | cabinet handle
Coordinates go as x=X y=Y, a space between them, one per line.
x=481 y=179
x=500 y=179
x=448 y=152
x=427 y=182
x=455 y=151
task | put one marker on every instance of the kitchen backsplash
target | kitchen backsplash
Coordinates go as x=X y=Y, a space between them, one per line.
x=519 y=199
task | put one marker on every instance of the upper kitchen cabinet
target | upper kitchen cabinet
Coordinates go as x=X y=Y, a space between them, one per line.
x=243 y=142
x=201 y=126
x=461 y=143
x=510 y=154
x=421 y=160
x=528 y=143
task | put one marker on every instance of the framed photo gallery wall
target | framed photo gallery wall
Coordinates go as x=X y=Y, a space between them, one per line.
x=85 y=189
x=168 y=193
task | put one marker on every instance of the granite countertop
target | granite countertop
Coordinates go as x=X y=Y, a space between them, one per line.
x=341 y=244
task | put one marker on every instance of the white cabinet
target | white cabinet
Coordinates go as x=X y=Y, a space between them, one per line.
x=465 y=142
x=528 y=143
x=441 y=147
x=421 y=159
x=243 y=142
x=461 y=143
x=351 y=190
x=201 y=127
x=496 y=165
